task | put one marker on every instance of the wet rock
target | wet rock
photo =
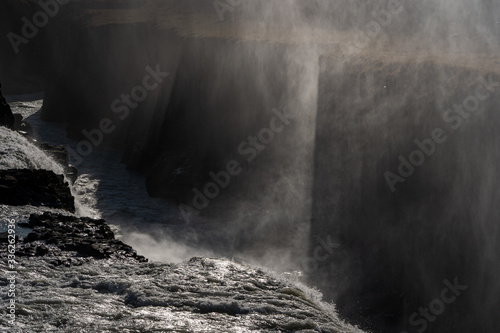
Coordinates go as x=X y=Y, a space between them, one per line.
x=16 y=122
x=13 y=121
x=6 y=116
x=60 y=155
x=36 y=188
x=60 y=238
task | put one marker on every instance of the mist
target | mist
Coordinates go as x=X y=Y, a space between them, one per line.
x=351 y=85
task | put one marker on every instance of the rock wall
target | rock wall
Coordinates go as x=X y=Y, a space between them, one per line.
x=36 y=188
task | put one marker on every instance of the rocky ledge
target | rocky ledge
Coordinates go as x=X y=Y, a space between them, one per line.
x=60 y=155
x=13 y=121
x=69 y=240
x=36 y=188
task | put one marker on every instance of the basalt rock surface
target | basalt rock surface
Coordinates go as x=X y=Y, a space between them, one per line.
x=69 y=240
x=60 y=155
x=36 y=188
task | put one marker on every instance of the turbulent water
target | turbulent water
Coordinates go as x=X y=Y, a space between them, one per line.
x=203 y=295
x=170 y=293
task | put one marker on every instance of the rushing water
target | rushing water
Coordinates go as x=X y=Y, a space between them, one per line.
x=169 y=294
x=203 y=295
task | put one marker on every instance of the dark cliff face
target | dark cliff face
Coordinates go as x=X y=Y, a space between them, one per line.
x=35 y=187
x=87 y=57
x=19 y=72
x=208 y=101
x=6 y=116
x=210 y=97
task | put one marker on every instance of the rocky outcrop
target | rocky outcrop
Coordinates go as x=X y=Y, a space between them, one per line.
x=60 y=155
x=6 y=116
x=13 y=121
x=69 y=240
x=36 y=188
x=22 y=126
